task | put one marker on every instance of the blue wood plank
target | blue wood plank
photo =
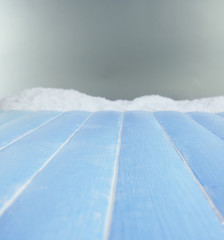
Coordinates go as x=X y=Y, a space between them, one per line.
x=7 y=116
x=202 y=150
x=69 y=198
x=17 y=128
x=21 y=160
x=212 y=122
x=221 y=114
x=156 y=196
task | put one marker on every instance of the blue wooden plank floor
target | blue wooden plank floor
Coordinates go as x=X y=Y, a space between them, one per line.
x=111 y=175
x=202 y=150
x=212 y=122
x=19 y=127
x=7 y=116
x=155 y=190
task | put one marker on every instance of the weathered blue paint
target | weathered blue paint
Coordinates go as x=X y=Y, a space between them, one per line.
x=7 y=116
x=212 y=122
x=156 y=196
x=202 y=150
x=69 y=198
x=21 y=160
x=16 y=128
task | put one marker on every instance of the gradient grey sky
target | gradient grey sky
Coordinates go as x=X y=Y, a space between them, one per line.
x=115 y=49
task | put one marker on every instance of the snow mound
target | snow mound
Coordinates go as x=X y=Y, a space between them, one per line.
x=66 y=100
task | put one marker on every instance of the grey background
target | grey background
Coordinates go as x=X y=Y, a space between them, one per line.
x=113 y=48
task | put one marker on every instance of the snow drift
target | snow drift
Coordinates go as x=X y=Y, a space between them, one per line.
x=66 y=100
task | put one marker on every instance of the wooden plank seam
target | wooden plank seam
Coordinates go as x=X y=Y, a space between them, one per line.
x=114 y=186
x=204 y=126
x=21 y=189
x=32 y=130
x=9 y=116
x=218 y=214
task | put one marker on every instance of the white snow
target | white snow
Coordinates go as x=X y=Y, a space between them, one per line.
x=66 y=100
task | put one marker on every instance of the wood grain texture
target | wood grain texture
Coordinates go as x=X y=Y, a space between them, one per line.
x=212 y=122
x=156 y=196
x=69 y=198
x=201 y=149
x=18 y=127
x=21 y=160
x=7 y=116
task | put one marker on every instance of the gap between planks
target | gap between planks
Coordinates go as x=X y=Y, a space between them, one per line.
x=218 y=214
x=204 y=126
x=32 y=130
x=28 y=182
x=114 y=186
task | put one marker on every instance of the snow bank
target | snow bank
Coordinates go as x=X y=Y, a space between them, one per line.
x=66 y=100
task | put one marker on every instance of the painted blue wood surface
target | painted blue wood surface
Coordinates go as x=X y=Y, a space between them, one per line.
x=156 y=196
x=212 y=122
x=69 y=198
x=20 y=161
x=201 y=149
x=70 y=195
x=221 y=114
x=7 y=116
x=18 y=127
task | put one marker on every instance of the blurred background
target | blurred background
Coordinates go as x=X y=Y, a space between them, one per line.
x=114 y=49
